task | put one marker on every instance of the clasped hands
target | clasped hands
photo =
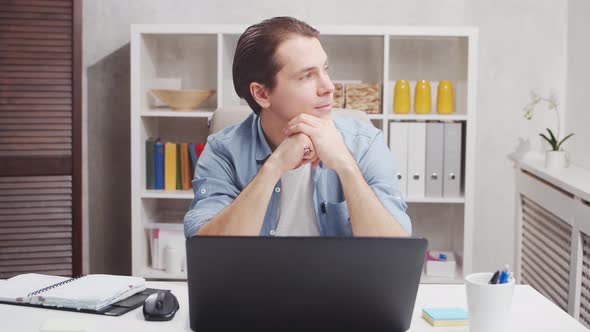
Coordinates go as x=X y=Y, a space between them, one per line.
x=312 y=140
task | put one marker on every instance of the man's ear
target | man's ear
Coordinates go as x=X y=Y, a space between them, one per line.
x=260 y=94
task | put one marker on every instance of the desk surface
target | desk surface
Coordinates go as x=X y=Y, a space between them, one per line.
x=530 y=312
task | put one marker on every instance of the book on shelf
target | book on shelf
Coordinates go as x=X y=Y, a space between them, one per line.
x=171 y=165
x=199 y=149
x=178 y=168
x=159 y=165
x=150 y=167
x=184 y=167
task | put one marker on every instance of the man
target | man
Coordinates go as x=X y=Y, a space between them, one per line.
x=293 y=168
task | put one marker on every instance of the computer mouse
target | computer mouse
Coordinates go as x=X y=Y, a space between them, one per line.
x=160 y=306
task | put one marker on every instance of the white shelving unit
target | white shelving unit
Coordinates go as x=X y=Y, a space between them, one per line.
x=201 y=56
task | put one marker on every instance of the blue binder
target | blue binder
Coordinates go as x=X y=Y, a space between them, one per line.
x=159 y=169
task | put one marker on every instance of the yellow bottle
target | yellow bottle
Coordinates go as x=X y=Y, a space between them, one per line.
x=444 y=97
x=422 y=98
x=401 y=97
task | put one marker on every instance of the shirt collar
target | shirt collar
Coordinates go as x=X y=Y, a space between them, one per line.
x=262 y=148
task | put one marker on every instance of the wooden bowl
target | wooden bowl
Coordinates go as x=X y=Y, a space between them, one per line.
x=182 y=100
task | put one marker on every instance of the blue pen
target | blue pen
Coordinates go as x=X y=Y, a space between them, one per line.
x=504 y=275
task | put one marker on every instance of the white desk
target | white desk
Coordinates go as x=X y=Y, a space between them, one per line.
x=530 y=312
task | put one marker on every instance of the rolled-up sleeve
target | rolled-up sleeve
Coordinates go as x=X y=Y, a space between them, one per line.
x=379 y=168
x=213 y=187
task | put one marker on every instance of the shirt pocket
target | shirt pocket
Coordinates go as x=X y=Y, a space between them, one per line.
x=338 y=219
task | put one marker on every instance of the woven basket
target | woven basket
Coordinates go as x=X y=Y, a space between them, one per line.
x=364 y=96
x=338 y=96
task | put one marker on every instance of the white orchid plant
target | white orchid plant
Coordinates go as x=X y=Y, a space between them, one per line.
x=552 y=104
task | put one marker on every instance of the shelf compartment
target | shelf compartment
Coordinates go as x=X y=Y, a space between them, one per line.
x=442 y=224
x=168 y=129
x=168 y=217
x=190 y=59
x=431 y=59
x=354 y=58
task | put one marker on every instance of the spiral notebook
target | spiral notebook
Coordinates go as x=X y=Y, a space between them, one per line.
x=90 y=293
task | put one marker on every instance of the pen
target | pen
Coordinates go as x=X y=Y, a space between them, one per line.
x=494 y=279
x=504 y=275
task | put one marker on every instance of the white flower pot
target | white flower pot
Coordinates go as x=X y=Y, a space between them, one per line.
x=555 y=161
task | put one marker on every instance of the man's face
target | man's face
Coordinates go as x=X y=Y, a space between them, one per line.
x=303 y=84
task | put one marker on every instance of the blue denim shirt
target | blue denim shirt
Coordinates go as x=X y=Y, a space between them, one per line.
x=233 y=156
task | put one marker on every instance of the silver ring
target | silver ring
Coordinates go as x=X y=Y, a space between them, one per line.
x=307 y=151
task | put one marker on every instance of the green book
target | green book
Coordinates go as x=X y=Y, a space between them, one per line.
x=150 y=173
x=178 y=175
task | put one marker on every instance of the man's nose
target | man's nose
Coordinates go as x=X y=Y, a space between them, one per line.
x=326 y=85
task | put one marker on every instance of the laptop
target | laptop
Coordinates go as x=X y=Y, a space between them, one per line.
x=303 y=283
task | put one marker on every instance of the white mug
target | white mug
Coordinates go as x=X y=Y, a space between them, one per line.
x=488 y=304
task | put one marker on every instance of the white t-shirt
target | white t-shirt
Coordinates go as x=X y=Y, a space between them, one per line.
x=296 y=211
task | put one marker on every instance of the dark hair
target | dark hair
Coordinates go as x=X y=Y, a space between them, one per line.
x=254 y=60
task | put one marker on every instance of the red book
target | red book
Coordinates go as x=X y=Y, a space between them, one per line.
x=199 y=149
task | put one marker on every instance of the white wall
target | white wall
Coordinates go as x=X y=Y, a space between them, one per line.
x=577 y=116
x=522 y=46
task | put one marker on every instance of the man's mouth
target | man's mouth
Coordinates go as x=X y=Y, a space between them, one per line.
x=324 y=107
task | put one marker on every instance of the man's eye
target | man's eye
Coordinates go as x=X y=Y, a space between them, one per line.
x=327 y=69
x=307 y=76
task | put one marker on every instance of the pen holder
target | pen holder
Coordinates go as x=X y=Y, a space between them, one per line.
x=488 y=304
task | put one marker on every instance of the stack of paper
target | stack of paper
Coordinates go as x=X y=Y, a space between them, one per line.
x=445 y=316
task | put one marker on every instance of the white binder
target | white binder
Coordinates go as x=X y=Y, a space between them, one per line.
x=434 y=159
x=416 y=158
x=452 y=160
x=398 y=144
